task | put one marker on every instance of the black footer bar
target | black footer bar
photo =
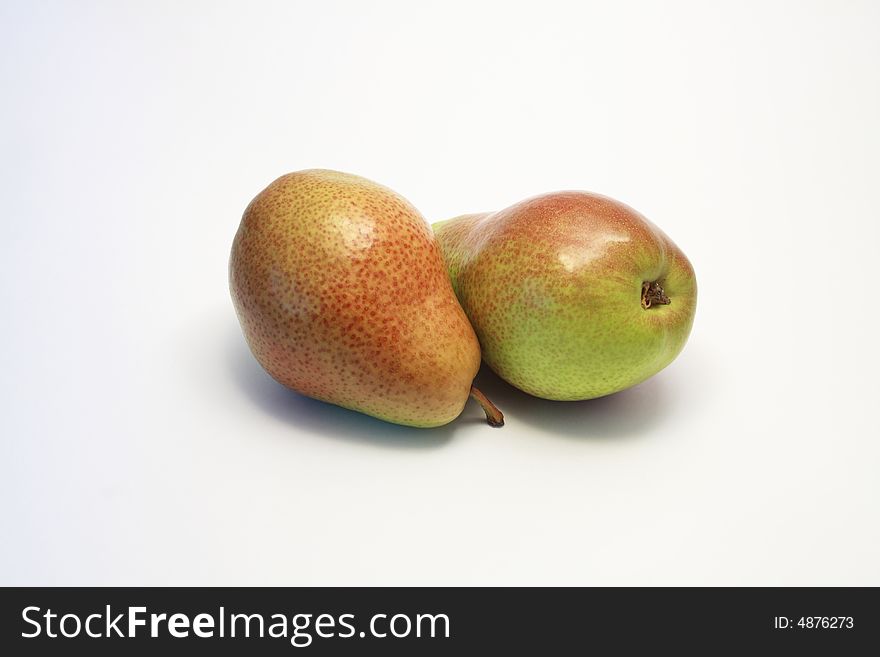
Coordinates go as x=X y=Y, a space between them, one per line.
x=429 y=621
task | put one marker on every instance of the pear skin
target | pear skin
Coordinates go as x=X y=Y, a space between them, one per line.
x=342 y=295
x=573 y=295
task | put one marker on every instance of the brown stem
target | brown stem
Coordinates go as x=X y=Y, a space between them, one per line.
x=493 y=416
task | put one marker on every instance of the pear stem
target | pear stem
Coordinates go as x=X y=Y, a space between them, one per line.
x=493 y=416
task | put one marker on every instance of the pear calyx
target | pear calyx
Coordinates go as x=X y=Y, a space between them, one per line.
x=653 y=295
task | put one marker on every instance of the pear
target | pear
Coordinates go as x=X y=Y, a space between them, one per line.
x=573 y=295
x=342 y=295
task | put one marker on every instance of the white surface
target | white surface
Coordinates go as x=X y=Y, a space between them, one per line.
x=141 y=444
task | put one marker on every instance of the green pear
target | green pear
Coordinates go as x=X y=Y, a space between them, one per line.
x=342 y=295
x=573 y=295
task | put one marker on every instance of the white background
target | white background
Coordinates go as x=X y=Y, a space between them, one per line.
x=142 y=444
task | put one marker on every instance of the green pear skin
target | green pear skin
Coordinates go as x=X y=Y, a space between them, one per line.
x=342 y=295
x=573 y=295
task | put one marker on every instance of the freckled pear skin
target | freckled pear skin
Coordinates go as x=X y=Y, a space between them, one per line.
x=342 y=295
x=573 y=295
